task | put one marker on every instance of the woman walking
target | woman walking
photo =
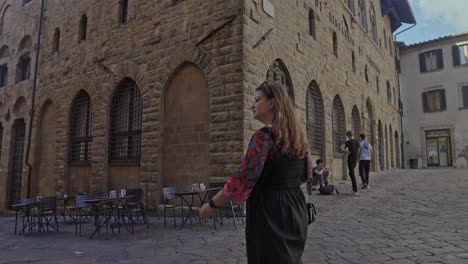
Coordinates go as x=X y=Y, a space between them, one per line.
x=269 y=178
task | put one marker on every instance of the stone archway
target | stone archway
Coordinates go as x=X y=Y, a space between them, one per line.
x=371 y=133
x=186 y=125
x=44 y=180
x=381 y=147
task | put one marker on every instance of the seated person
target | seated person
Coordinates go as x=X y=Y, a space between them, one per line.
x=320 y=174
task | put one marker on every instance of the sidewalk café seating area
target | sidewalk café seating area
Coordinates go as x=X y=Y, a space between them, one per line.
x=111 y=212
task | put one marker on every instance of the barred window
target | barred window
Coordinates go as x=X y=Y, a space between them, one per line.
x=315 y=119
x=277 y=72
x=81 y=138
x=338 y=124
x=356 y=122
x=373 y=20
x=434 y=101
x=363 y=14
x=125 y=124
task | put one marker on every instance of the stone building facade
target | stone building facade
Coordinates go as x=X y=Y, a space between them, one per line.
x=158 y=93
x=434 y=86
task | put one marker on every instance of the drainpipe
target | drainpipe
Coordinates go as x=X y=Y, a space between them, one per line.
x=402 y=147
x=36 y=69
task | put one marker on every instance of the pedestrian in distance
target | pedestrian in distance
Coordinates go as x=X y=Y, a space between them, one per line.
x=270 y=176
x=351 y=147
x=365 y=154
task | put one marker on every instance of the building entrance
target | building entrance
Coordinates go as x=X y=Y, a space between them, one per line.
x=438 y=148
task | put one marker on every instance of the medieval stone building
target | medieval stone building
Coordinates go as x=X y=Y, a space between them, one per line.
x=158 y=93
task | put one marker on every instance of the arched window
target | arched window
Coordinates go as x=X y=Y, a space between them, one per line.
x=315 y=119
x=4 y=52
x=56 y=40
x=125 y=124
x=23 y=68
x=356 y=122
x=123 y=11
x=277 y=72
x=346 y=28
x=312 y=29
x=81 y=130
x=338 y=124
x=363 y=13
x=389 y=93
x=373 y=20
x=335 y=44
x=83 y=28
x=395 y=101
x=353 y=62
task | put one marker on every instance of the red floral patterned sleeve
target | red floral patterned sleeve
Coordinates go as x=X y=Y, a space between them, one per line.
x=242 y=183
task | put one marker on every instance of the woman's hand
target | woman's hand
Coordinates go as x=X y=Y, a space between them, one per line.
x=206 y=211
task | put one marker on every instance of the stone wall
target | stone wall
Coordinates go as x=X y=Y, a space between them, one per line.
x=285 y=36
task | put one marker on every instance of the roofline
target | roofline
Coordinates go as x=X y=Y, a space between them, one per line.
x=433 y=41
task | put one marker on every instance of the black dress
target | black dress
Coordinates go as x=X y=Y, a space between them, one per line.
x=276 y=229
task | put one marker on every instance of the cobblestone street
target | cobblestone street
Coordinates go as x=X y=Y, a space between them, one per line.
x=408 y=216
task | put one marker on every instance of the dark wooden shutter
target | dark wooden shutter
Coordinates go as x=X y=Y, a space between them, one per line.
x=424 y=98
x=440 y=59
x=443 y=104
x=422 y=62
x=465 y=96
x=456 y=55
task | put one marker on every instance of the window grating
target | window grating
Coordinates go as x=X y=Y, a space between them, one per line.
x=339 y=124
x=277 y=73
x=81 y=117
x=356 y=122
x=315 y=119
x=125 y=125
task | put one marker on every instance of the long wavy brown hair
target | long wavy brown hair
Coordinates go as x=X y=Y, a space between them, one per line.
x=288 y=132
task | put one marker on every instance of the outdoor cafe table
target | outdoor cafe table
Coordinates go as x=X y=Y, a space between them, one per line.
x=188 y=198
x=107 y=213
x=25 y=209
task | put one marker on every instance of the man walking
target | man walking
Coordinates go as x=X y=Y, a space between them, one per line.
x=365 y=154
x=351 y=147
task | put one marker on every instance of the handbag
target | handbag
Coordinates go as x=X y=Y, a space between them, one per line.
x=311 y=212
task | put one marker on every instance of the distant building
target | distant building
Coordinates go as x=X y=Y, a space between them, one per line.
x=158 y=93
x=434 y=87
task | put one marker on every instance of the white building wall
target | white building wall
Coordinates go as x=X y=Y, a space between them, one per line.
x=416 y=121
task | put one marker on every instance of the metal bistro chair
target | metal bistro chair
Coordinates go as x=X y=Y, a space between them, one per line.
x=82 y=211
x=23 y=213
x=136 y=204
x=47 y=213
x=168 y=196
x=229 y=206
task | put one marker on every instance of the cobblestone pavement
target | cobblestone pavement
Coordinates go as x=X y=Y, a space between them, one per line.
x=408 y=216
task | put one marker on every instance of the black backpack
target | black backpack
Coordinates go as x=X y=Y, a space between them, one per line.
x=328 y=189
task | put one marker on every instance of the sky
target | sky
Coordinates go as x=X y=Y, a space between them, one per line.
x=435 y=18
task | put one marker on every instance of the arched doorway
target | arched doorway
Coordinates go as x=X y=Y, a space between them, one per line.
x=186 y=121
x=390 y=145
x=386 y=148
x=44 y=181
x=339 y=135
x=381 y=147
x=371 y=132
x=397 y=151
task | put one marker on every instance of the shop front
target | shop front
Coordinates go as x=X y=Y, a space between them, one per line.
x=438 y=149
